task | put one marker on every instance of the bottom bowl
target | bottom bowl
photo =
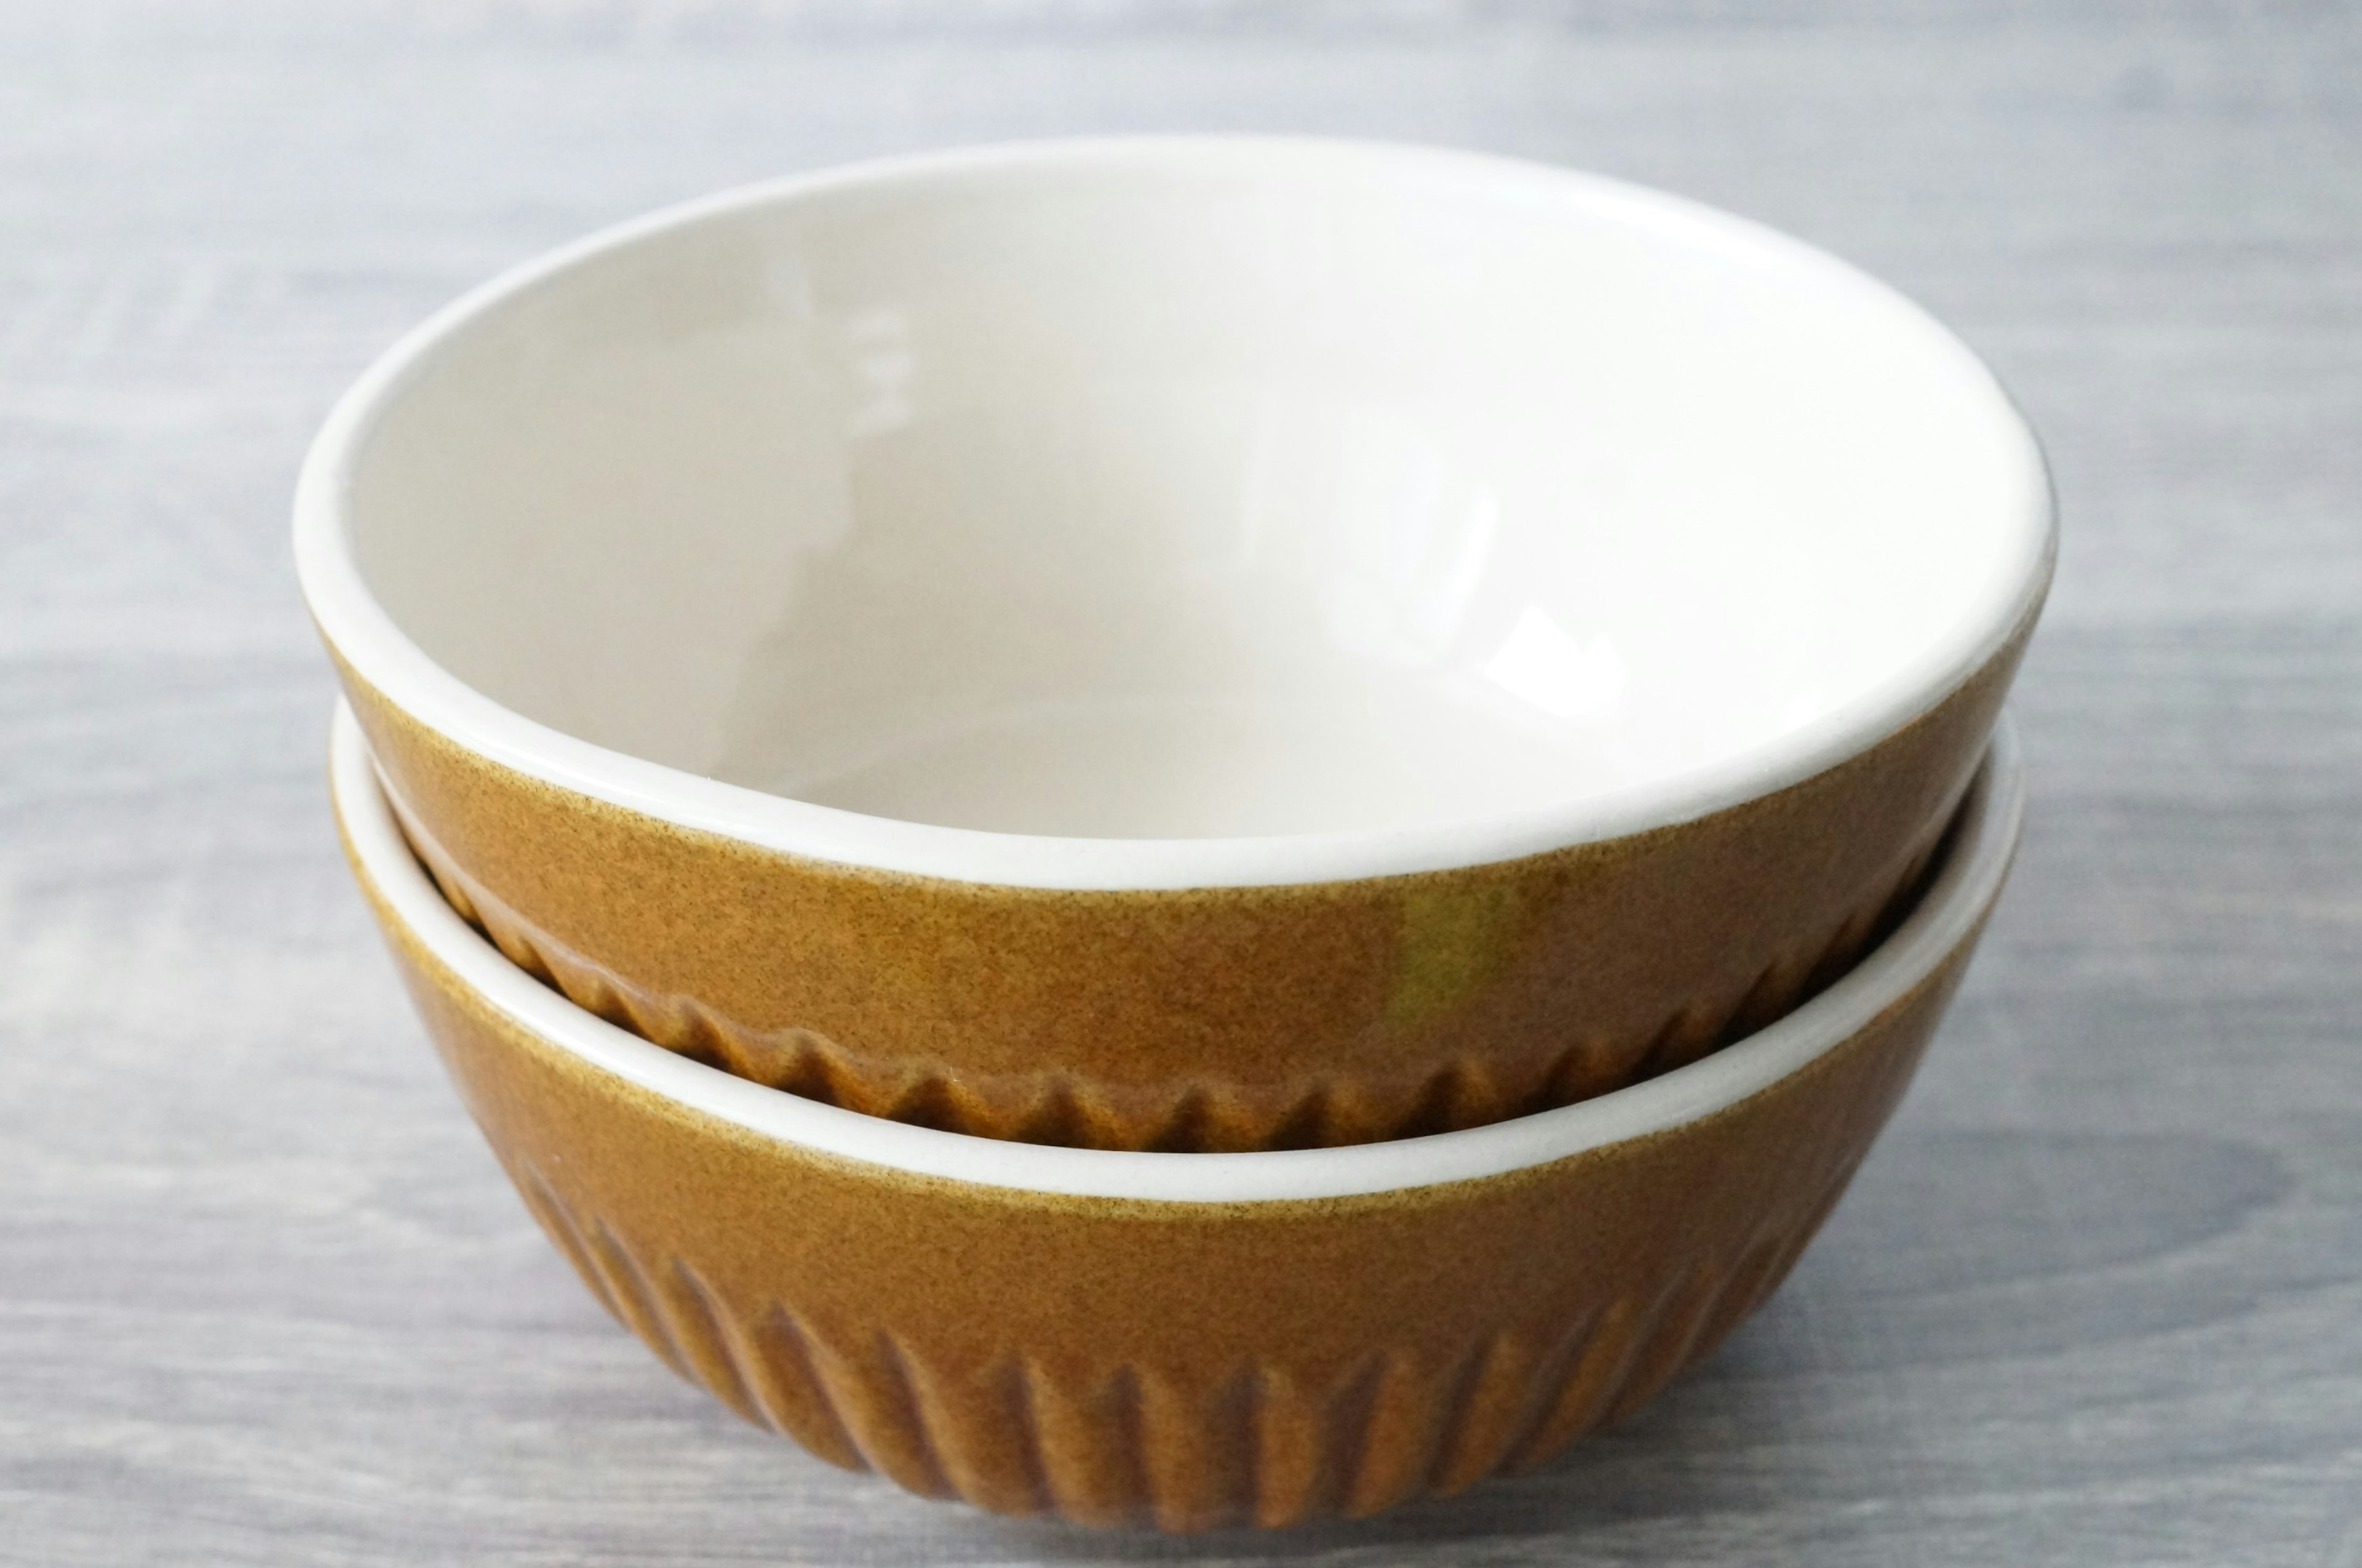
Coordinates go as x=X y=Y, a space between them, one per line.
x=1180 y=1339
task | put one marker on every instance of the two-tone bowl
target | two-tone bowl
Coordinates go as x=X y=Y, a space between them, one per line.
x=1192 y=643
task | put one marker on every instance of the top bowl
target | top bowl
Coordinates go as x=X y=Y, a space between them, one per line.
x=1203 y=643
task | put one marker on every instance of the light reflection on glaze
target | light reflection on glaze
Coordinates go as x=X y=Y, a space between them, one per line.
x=1174 y=508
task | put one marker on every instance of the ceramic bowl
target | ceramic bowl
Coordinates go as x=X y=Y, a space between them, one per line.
x=1182 y=644
x=1184 y=1340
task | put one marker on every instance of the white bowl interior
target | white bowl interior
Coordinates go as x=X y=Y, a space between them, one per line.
x=1193 y=489
x=1947 y=915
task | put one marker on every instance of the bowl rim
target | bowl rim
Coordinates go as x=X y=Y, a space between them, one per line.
x=367 y=638
x=1946 y=916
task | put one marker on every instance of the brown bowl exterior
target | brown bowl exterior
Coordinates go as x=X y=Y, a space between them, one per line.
x=1203 y=1019
x=1181 y=1364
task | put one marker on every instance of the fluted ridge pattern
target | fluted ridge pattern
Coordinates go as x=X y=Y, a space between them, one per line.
x=1137 y=1444
x=1058 y=1108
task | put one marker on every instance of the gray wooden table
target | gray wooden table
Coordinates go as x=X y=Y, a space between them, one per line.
x=265 y=1299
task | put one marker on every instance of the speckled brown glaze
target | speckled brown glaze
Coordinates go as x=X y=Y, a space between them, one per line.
x=1183 y=1365
x=1203 y=1019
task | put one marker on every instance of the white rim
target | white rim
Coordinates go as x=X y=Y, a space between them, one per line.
x=1965 y=888
x=367 y=637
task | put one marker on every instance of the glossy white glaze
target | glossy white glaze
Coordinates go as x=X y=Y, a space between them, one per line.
x=1946 y=916
x=1176 y=512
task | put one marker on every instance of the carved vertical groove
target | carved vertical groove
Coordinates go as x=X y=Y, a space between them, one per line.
x=785 y=1380
x=708 y=1347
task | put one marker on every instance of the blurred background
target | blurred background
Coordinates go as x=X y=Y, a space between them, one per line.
x=264 y=1297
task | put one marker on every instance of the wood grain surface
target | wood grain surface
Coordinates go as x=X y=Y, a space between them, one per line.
x=264 y=1297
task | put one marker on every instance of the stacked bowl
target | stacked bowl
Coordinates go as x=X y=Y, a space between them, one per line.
x=1182 y=830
